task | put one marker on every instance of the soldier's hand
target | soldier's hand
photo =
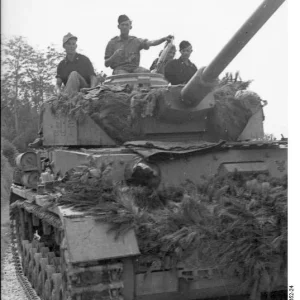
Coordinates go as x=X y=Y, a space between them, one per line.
x=118 y=52
x=58 y=92
x=101 y=77
x=169 y=38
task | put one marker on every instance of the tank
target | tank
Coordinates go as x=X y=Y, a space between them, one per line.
x=123 y=149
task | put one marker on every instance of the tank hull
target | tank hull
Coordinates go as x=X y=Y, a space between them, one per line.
x=89 y=254
x=137 y=130
x=193 y=159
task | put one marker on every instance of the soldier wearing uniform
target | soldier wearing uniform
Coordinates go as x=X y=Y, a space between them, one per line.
x=181 y=70
x=122 y=52
x=76 y=70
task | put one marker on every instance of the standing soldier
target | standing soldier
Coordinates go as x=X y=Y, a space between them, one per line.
x=122 y=52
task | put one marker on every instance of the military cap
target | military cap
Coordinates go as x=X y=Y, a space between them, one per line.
x=68 y=37
x=184 y=44
x=123 y=18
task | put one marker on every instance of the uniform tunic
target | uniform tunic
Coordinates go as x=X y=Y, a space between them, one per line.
x=132 y=46
x=162 y=67
x=178 y=72
x=81 y=64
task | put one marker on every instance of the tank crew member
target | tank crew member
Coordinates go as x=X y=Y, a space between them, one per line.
x=181 y=70
x=122 y=52
x=170 y=56
x=76 y=70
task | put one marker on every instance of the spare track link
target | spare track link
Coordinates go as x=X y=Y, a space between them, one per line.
x=255 y=144
x=42 y=263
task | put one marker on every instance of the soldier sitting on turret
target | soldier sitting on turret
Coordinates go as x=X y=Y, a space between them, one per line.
x=122 y=52
x=76 y=70
x=181 y=70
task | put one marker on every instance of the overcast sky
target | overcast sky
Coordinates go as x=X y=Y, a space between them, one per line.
x=207 y=24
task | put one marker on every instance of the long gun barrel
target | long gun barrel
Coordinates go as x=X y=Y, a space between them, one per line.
x=198 y=86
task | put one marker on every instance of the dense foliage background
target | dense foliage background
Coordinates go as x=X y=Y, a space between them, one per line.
x=27 y=79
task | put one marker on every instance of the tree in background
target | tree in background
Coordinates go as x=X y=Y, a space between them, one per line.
x=27 y=80
x=16 y=55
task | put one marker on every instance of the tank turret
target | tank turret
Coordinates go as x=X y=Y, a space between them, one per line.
x=154 y=110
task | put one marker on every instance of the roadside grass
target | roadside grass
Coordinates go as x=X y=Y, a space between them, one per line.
x=6 y=180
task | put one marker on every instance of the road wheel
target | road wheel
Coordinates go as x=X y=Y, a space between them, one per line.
x=41 y=276
x=35 y=274
x=57 y=282
x=47 y=292
x=23 y=255
x=31 y=264
x=50 y=256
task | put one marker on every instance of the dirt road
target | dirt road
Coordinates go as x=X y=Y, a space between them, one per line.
x=10 y=286
x=5 y=237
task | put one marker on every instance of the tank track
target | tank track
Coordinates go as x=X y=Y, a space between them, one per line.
x=42 y=263
x=25 y=284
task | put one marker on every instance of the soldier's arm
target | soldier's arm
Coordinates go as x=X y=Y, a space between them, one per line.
x=159 y=41
x=91 y=72
x=58 y=86
x=110 y=60
x=93 y=81
x=59 y=76
x=111 y=54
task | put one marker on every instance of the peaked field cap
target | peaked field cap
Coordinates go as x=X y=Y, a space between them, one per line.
x=68 y=37
x=184 y=44
x=123 y=18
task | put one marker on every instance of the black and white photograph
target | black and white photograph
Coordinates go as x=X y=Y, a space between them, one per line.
x=144 y=150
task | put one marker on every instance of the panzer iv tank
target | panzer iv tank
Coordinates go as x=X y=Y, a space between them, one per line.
x=161 y=137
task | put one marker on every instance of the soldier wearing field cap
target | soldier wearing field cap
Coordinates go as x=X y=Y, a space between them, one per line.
x=76 y=70
x=181 y=70
x=122 y=52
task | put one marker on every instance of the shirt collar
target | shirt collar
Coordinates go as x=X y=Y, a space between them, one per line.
x=75 y=59
x=188 y=61
x=120 y=39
